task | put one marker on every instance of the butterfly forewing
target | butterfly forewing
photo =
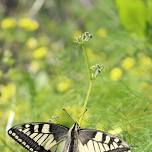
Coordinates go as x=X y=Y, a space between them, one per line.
x=38 y=137
x=48 y=137
x=98 y=141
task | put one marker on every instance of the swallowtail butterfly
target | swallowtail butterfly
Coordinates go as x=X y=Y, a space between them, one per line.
x=49 y=137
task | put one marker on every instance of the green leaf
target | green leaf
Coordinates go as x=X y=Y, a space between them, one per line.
x=133 y=15
x=149 y=11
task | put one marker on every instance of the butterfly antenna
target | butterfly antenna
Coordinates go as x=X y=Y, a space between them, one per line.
x=69 y=115
x=81 y=117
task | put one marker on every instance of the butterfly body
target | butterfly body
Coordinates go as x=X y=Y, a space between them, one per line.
x=72 y=139
x=49 y=137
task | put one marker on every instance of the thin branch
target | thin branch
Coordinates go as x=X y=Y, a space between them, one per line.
x=36 y=7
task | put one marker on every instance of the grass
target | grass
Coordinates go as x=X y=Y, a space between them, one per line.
x=36 y=85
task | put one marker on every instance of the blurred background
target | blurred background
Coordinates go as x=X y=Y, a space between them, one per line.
x=42 y=70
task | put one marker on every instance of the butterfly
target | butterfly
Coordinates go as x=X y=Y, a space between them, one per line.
x=50 y=137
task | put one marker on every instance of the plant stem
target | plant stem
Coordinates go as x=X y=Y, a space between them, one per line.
x=84 y=108
x=87 y=61
x=87 y=95
x=90 y=80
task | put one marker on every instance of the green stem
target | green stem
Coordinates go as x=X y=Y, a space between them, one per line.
x=87 y=96
x=87 y=62
x=90 y=84
x=90 y=79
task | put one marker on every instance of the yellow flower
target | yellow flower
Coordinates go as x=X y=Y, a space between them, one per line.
x=8 y=91
x=28 y=24
x=64 y=85
x=116 y=74
x=115 y=131
x=145 y=86
x=128 y=63
x=145 y=60
x=77 y=34
x=1 y=114
x=8 y=23
x=102 y=32
x=31 y=43
x=40 y=53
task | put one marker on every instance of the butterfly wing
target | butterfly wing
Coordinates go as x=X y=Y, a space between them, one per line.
x=59 y=147
x=98 y=141
x=38 y=137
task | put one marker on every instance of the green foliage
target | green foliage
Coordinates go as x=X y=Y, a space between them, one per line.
x=149 y=11
x=42 y=70
x=133 y=15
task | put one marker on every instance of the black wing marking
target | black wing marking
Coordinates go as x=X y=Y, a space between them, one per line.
x=38 y=136
x=97 y=141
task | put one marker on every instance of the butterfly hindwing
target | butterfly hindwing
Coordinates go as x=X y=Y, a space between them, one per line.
x=98 y=141
x=38 y=137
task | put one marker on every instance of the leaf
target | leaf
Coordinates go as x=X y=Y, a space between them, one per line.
x=133 y=15
x=149 y=11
